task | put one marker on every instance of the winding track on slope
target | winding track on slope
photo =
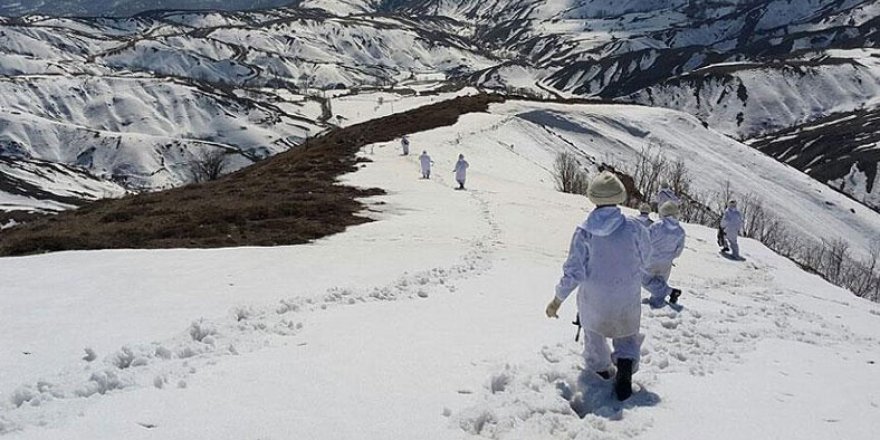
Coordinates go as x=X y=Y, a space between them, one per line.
x=245 y=329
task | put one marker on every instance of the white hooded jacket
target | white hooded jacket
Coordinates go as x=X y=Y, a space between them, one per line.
x=461 y=170
x=426 y=162
x=607 y=256
x=667 y=241
x=732 y=222
x=666 y=195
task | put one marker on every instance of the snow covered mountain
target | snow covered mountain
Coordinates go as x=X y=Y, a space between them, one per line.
x=748 y=68
x=143 y=132
x=126 y=8
x=41 y=186
x=429 y=323
x=136 y=101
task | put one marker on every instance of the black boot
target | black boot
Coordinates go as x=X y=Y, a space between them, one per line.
x=623 y=380
x=673 y=296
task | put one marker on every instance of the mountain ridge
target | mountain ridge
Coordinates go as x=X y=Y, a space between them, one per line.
x=748 y=68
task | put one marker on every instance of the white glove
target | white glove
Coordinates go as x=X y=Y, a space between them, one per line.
x=553 y=307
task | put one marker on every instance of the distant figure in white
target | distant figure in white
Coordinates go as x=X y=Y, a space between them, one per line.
x=461 y=171
x=731 y=224
x=606 y=259
x=667 y=244
x=404 y=144
x=645 y=215
x=665 y=194
x=425 y=161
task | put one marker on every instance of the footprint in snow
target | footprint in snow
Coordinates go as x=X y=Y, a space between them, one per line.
x=594 y=395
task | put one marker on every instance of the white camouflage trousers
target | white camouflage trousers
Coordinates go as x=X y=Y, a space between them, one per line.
x=599 y=357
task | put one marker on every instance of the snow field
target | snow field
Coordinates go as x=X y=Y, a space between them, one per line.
x=426 y=324
x=363 y=107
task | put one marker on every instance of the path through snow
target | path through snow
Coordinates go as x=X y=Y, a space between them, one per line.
x=429 y=324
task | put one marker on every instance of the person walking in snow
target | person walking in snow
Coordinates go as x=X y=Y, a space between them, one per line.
x=665 y=194
x=607 y=255
x=426 y=162
x=645 y=215
x=461 y=171
x=731 y=224
x=404 y=144
x=667 y=244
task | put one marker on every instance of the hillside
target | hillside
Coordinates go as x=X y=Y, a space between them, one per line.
x=123 y=8
x=245 y=206
x=136 y=101
x=426 y=324
x=290 y=198
x=748 y=68
x=320 y=289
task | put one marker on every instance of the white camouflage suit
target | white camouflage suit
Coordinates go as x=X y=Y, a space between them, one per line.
x=732 y=223
x=667 y=244
x=607 y=256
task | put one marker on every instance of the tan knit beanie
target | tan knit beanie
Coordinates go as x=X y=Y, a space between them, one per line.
x=669 y=209
x=606 y=189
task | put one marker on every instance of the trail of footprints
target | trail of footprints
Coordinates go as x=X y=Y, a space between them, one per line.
x=553 y=397
x=169 y=363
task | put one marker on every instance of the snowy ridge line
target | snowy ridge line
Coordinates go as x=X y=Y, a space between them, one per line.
x=245 y=329
x=543 y=397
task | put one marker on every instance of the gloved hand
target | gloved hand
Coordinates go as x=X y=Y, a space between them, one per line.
x=553 y=307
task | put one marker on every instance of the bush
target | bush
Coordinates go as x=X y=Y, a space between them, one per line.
x=570 y=177
x=208 y=166
x=650 y=169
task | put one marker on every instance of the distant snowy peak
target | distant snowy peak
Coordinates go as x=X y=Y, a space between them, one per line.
x=842 y=149
x=134 y=99
x=750 y=99
x=142 y=131
x=127 y=8
x=137 y=100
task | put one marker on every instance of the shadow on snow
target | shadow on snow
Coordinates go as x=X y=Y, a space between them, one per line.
x=594 y=395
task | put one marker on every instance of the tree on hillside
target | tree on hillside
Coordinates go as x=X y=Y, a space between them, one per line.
x=208 y=166
x=568 y=174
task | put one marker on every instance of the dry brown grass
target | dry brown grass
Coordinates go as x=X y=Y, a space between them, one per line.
x=291 y=198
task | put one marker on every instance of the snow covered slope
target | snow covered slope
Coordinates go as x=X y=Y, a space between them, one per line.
x=748 y=68
x=123 y=8
x=144 y=132
x=33 y=185
x=841 y=149
x=136 y=100
x=427 y=324
x=747 y=100
x=616 y=134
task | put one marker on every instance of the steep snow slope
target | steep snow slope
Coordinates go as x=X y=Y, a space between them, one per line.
x=302 y=48
x=616 y=134
x=747 y=100
x=33 y=185
x=143 y=132
x=426 y=324
x=842 y=149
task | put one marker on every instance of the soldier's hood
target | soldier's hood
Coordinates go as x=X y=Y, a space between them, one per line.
x=603 y=221
x=670 y=223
